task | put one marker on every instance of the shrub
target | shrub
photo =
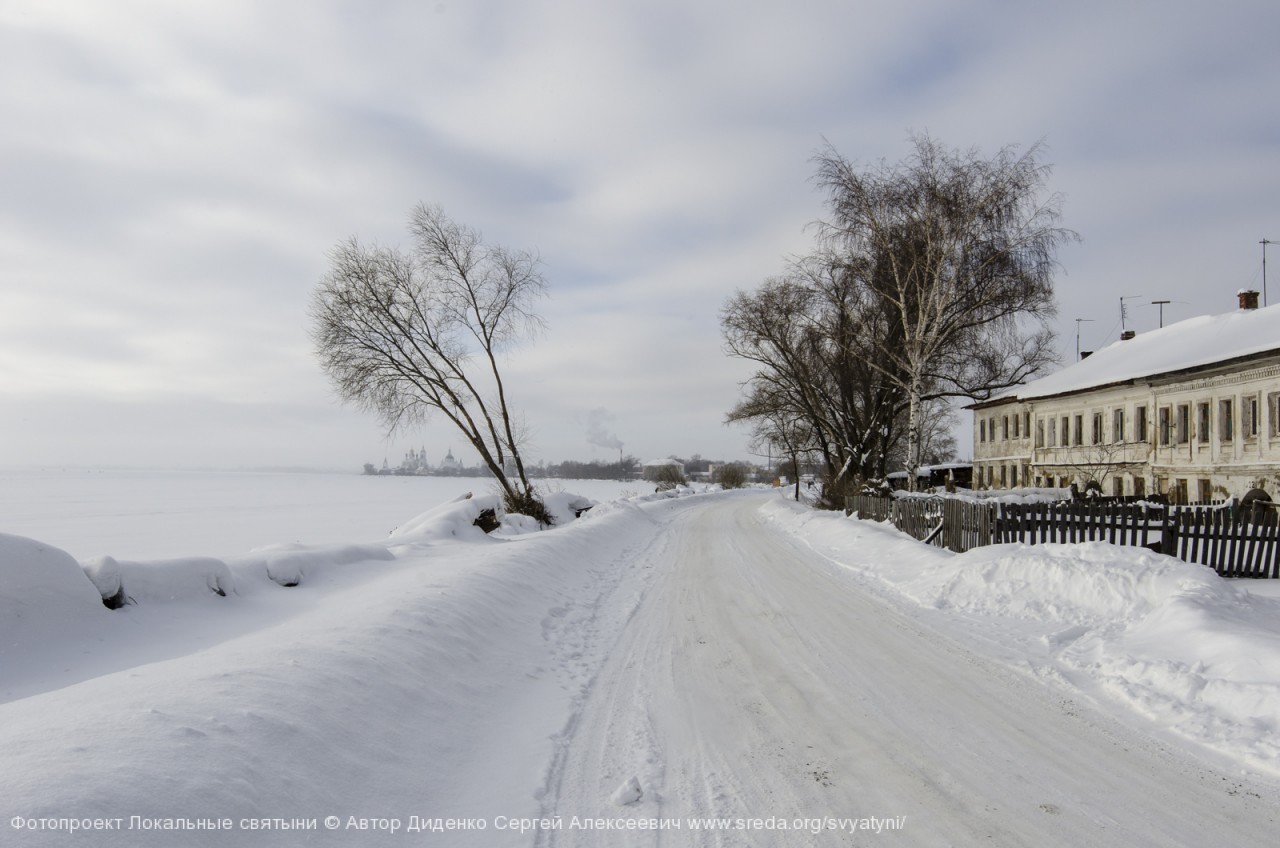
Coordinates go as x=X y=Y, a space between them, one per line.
x=731 y=476
x=528 y=503
x=834 y=492
x=668 y=477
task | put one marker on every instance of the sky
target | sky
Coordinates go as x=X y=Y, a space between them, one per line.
x=174 y=175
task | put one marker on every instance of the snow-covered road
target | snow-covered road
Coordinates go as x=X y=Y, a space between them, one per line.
x=724 y=666
x=755 y=681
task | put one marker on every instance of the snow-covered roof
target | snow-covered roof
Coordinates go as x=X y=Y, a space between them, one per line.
x=1194 y=343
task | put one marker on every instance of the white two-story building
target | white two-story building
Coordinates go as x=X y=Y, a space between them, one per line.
x=1190 y=411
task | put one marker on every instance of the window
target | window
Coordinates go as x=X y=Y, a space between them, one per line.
x=1026 y=423
x=982 y=430
x=1079 y=430
x=1013 y=476
x=1202 y=422
x=1250 y=424
x=1204 y=490
x=1004 y=476
x=1117 y=487
x=1040 y=432
x=1015 y=426
x=1004 y=430
x=1117 y=425
x=1140 y=487
x=1273 y=407
x=1065 y=432
x=1165 y=428
x=1097 y=429
x=1140 y=424
x=1179 y=493
x=1226 y=419
x=1183 y=428
x=1053 y=432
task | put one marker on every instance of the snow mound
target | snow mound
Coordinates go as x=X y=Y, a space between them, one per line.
x=42 y=591
x=628 y=793
x=104 y=571
x=181 y=579
x=287 y=565
x=1090 y=583
x=566 y=506
x=452 y=521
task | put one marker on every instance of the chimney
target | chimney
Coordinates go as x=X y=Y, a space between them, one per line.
x=1085 y=354
x=1127 y=334
x=1248 y=298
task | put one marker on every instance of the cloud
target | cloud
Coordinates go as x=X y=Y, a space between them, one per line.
x=175 y=176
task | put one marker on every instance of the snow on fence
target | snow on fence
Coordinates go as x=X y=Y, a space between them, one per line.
x=1234 y=542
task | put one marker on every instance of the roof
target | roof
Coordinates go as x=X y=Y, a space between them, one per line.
x=1194 y=343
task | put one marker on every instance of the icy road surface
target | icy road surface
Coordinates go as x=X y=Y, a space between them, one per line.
x=756 y=681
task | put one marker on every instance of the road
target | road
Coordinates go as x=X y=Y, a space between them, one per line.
x=755 y=681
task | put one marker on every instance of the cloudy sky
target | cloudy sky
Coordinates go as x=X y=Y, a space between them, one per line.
x=172 y=175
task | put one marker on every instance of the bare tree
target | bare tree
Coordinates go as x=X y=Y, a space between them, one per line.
x=813 y=339
x=960 y=252
x=407 y=335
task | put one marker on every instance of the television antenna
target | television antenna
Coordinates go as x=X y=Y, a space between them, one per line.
x=1124 y=310
x=1079 y=321
x=1161 y=304
x=1264 y=244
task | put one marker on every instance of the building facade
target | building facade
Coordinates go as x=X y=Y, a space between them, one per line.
x=1190 y=412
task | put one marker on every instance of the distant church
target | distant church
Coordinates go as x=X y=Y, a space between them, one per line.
x=415 y=462
x=449 y=463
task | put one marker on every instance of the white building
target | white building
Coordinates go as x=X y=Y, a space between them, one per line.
x=1190 y=411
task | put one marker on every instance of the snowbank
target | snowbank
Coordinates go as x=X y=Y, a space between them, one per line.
x=289 y=565
x=393 y=675
x=452 y=521
x=1170 y=641
x=43 y=592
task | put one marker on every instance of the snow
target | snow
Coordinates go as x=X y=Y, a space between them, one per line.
x=683 y=652
x=1197 y=655
x=1194 y=342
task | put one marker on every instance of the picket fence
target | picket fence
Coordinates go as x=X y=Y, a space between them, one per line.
x=1234 y=542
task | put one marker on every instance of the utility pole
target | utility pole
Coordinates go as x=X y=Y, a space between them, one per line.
x=1161 y=303
x=1079 y=321
x=1264 y=244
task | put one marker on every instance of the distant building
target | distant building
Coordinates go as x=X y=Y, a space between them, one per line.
x=449 y=463
x=1190 y=411
x=415 y=462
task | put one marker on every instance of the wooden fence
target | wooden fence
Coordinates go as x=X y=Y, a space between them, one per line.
x=1234 y=542
x=1082 y=521
x=946 y=522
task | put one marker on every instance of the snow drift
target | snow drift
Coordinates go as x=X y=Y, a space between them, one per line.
x=1171 y=641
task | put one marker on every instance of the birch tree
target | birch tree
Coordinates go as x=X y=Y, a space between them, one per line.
x=960 y=251
x=408 y=335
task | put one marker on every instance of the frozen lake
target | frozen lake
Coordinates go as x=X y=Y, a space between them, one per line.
x=159 y=514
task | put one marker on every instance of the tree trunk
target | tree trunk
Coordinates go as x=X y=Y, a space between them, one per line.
x=913 y=431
